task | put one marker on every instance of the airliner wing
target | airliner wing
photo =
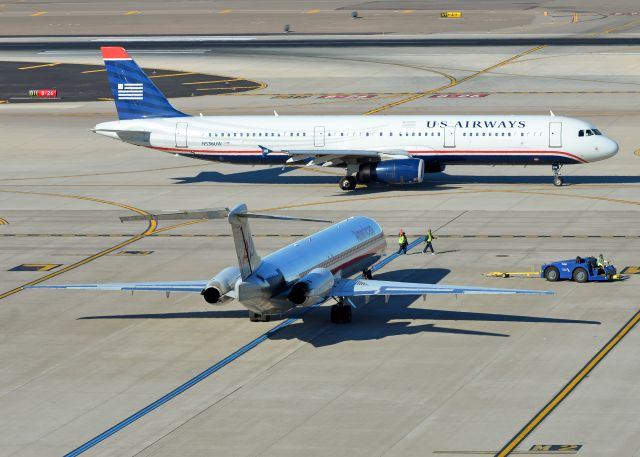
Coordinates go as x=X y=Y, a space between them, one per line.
x=168 y=286
x=363 y=287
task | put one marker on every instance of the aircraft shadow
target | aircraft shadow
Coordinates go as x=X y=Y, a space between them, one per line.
x=373 y=321
x=276 y=176
x=273 y=175
x=569 y=180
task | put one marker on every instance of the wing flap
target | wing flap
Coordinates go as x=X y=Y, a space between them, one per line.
x=167 y=286
x=362 y=287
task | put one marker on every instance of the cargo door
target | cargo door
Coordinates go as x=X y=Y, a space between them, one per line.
x=555 y=134
x=449 y=137
x=181 y=134
x=318 y=137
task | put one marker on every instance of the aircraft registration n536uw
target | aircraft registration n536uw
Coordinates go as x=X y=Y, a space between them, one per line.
x=305 y=273
x=383 y=149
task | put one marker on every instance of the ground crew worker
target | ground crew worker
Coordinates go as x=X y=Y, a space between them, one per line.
x=429 y=239
x=601 y=263
x=402 y=242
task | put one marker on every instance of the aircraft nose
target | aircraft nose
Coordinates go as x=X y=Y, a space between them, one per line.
x=611 y=148
x=603 y=149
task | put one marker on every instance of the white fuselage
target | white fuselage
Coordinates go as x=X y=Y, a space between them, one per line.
x=526 y=140
x=343 y=249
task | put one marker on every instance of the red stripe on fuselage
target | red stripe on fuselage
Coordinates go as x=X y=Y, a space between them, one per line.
x=417 y=153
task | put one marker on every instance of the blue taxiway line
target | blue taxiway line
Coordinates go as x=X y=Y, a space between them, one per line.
x=212 y=369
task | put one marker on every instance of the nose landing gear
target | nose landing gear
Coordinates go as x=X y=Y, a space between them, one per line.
x=557 y=179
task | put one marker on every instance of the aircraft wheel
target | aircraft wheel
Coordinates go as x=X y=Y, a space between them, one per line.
x=558 y=181
x=580 y=275
x=348 y=183
x=347 y=313
x=551 y=274
x=341 y=314
x=335 y=314
x=255 y=317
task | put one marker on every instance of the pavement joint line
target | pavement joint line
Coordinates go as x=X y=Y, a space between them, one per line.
x=569 y=387
x=215 y=367
x=150 y=229
x=453 y=84
x=486 y=70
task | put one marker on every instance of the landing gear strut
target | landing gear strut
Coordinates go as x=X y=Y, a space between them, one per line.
x=557 y=179
x=348 y=183
x=255 y=317
x=367 y=273
x=340 y=313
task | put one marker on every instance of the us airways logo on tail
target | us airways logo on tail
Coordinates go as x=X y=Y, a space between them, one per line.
x=130 y=91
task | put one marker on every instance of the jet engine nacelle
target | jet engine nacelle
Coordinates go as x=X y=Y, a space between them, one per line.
x=434 y=167
x=220 y=284
x=312 y=288
x=397 y=171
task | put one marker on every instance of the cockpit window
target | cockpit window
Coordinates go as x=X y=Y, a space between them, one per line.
x=581 y=133
x=589 y=132
x=597 y=132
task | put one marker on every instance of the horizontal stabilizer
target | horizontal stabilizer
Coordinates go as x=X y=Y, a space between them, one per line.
x=214 y=213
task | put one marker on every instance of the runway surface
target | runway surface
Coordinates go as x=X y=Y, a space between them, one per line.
x=453 y=376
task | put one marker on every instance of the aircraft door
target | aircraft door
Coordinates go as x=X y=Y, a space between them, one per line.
x=181 y=134
x=555 y=134
x=318 y=137
x=449 y=137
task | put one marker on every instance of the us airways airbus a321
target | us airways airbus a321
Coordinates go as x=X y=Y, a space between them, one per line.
x=383 y=149
x=305 y=273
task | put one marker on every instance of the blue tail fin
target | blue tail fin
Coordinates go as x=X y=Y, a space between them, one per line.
x=135 y=95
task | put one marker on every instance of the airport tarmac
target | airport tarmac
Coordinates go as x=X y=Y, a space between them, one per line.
x=452 y=376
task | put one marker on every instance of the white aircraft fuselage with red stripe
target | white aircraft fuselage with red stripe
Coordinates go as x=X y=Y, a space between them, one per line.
x=389 y=149
x=524 y=140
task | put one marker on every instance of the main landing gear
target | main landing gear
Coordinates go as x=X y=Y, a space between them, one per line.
x=348 y=183
x=341 y=313
x=255 y=317
x=557 y=179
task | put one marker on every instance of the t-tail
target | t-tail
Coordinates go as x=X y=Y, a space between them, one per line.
x=248 y=258
x=135 y=95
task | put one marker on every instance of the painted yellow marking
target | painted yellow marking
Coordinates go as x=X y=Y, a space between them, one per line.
x=224 y=11
x=93 y=71
x=36 y=267
x=148 y=231
x=3 y=221
x=529 y=452
x=213 y=81
x=172 y=75
x=313 y=11
x=39 y=13
x=105 y=99
x=40 y=66
x=571 y=385
x=408 y=11
x=453 y=83
x=631 y=270
x=637 y=152
x=132 y=12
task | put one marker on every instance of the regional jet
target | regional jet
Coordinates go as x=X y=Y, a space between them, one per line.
x=381 y=149
x=308 y=272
